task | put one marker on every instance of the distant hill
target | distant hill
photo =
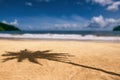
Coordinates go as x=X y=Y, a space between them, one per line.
x=117 y=28
x=7 y=27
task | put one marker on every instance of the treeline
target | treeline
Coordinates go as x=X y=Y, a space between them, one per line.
x=7 y=27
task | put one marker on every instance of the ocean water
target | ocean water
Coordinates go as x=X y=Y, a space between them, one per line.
x=63 y=35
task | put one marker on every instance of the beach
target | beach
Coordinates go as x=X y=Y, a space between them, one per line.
x=59 y=60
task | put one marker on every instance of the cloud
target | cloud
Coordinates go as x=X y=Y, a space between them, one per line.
x=15 y=22
x=67 y=25
x=114 y=6
x=5 y=22
x=103 y=2
x=28 y=3
x=73 y=22
x=111 y=5
x=101 y=22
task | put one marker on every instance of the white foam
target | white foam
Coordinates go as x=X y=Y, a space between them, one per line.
x=61 y=37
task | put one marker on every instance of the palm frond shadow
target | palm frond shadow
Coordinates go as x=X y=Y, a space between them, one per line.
x=59 y=57
x=33 y=56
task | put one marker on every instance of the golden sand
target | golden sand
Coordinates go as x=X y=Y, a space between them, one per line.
x=59 y=60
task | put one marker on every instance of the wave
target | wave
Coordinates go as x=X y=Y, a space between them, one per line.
x=61 y=37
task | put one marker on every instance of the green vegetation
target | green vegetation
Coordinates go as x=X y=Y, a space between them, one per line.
x=117 y=28
x=7 y=27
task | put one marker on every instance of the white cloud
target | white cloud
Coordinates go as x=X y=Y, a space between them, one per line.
x=103 y=2
x=111 y=5
x=28 y=3
x=73 y=22
x=114 y=6
x=15 y=22
x=4 y=22
x=101 y=22
x=67 y=25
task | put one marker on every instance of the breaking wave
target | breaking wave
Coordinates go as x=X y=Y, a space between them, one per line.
x=61 y=37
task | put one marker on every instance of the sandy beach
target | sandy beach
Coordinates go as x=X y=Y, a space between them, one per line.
x=59 y=60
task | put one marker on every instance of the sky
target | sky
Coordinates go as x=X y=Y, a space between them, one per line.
x=61 y=14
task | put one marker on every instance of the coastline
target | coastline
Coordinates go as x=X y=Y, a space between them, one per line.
x=62 y=37
x=44 y=39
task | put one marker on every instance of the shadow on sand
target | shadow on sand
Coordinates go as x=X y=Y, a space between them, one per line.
x=59 y=57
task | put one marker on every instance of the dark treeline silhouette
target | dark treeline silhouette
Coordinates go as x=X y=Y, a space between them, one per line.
x=7 y=27
x=32 y=56
x=117 y=28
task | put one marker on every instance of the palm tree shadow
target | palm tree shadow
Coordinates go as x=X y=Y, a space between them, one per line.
x=33 y=56
x=59 y=57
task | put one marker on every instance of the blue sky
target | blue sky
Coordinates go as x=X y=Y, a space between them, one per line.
x=61 y=14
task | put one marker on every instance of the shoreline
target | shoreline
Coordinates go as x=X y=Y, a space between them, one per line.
x=62 y=37
x=44 y=39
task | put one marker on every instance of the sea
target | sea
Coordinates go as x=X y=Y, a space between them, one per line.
x=63 y=35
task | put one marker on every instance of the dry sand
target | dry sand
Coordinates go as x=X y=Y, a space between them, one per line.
x=89 y=60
